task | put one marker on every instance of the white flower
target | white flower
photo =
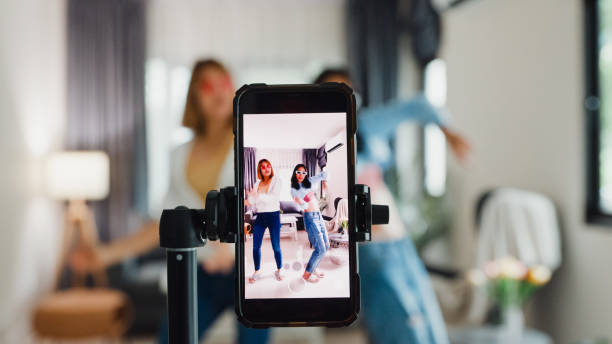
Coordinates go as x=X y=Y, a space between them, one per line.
x=491 y=270
x=512 y=268
x=538 y=275
x=476 y=277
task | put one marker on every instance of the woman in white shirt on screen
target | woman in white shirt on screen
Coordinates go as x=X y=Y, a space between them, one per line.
x=265 y=196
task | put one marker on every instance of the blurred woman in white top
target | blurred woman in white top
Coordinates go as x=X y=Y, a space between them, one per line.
x=265 y=197
x=201 y=165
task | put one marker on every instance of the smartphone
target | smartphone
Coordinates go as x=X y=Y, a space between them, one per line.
x=296 y=258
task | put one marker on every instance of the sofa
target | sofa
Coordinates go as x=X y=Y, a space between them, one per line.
x=286 y=207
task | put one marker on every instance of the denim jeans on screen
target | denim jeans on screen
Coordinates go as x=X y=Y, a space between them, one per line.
x=270 y=220
x=315 y=227
x=215 y=295
x=398 y=301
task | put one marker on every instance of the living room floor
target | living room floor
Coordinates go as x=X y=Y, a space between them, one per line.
x=295 y=256
x=353 y=334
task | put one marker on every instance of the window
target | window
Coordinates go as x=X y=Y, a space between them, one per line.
x=598 y=106
x=435 y=143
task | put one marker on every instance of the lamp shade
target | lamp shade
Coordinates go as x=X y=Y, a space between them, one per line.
x=77 y=175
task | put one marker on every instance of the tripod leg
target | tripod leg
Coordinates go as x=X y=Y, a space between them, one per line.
x=182 y=296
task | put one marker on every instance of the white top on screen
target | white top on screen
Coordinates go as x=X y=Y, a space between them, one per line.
x=267 y=201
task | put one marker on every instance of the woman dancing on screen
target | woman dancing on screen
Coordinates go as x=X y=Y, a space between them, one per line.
x=303 y=191
x=265 y=196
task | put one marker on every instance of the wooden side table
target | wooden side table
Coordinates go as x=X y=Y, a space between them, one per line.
x=80 y=313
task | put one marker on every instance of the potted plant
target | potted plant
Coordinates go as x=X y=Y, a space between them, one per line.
x=510 y=283
x=344 y=226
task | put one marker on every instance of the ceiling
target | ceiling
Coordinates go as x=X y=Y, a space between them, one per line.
x=291 y=131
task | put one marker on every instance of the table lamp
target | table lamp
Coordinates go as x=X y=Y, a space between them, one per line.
x=78 y=313
x=77 y=177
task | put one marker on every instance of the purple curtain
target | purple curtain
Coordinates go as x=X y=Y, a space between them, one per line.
x=322 y=157
x=373 y=31
x=250 y=166
x=425 y=31
x=105 y=103
x=309 y=158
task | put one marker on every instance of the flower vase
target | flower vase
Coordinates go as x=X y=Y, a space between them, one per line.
x=512 y=326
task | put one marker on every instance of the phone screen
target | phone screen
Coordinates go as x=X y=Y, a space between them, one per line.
x=296 y=180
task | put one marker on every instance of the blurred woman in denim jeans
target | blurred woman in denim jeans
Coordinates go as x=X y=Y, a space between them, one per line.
x=398 y=301
x=303 y=190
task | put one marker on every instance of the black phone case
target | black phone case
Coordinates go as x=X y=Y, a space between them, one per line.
x=352 y=129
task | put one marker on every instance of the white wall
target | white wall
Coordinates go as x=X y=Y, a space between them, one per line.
x=337 y=179
x=273 y=41
x=515 y=87
x=32 y=84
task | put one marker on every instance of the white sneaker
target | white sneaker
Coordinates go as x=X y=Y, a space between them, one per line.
x=312 y=279
x=254 y=277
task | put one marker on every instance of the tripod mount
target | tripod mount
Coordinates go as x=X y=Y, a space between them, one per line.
x=183 y=230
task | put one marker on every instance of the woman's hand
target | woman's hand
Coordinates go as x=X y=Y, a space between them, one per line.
x=459 y=145
x=252 y=193
x=221 y=261
x=309 y=196
x=86 y=259
x=371 y=175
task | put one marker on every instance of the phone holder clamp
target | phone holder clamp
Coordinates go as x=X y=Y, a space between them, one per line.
x=183 y=230
x=367 y=214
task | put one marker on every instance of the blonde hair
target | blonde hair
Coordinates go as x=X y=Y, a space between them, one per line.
x=193 y=118
x=259 y=175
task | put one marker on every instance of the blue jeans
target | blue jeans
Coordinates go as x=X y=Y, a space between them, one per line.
x=270 y=220
x=398 y=301
x=215 y=295
x=315 y=227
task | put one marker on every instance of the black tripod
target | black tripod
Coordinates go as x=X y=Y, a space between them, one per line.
x=183 y=230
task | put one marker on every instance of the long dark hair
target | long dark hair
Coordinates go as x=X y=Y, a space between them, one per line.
x=294 y=181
